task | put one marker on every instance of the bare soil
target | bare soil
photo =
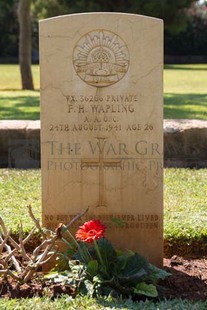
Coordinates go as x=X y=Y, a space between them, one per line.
x=188 y=280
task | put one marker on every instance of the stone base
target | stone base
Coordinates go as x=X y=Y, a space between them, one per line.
x=20 y=144
x=185 y=143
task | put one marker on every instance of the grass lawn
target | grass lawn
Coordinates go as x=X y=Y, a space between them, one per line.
x=85 y=303
x=185 y=93
x=19 y=105
x=15 y=103
x=185 y=217
x=10 y=78
x=185 y=203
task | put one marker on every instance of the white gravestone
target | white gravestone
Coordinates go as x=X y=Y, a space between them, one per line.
x=102 y=125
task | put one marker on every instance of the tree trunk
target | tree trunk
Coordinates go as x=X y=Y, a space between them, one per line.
x=25 y=39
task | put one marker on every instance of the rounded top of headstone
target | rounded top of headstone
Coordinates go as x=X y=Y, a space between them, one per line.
x=101 y=58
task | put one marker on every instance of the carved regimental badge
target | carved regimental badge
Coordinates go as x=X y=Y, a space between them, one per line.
x=101 y=58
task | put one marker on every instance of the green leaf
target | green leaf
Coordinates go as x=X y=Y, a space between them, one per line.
x=107 y=251
x=92 y=268
x=98 y=279
x=156 y=273
x=65 y=277
x=51 y=275
x=119 y=252
x=121 y=263
x=56 y=274
x=135 y=277
x=82 y=288
x=146 y=289
x=89 y=287
x=136 y=265
x=118 y=222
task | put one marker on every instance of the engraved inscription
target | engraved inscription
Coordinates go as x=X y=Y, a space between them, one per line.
x=98 y=126
x=101 y=108
x=103 y=98
x=112 y=221
x=101 y=58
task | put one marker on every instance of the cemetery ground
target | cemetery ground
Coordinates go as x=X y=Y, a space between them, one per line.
x=185 y=234
x=185 y=93
x=185 y=218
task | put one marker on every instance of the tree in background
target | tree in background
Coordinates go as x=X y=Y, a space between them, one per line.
x=44 y=9
x=193 y=39
x=25 y=48
x=8 y=29
x=173 y=12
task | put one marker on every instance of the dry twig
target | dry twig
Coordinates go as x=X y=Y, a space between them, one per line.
x=36 y=222
x=27 y=266
x=42 y=254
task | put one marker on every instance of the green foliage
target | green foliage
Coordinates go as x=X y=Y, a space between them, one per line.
x=156 y=273
x=185 y=203
x=173 y=12
x=184 y=219
x=92 y=268
x=96 y=269
x=136 y=267
x=146 y=289
x=44 y=9
x=193 y=40
x=101 y=303
x=185 y=191
x=8 y=29
x=107 y=252
x=107 y=272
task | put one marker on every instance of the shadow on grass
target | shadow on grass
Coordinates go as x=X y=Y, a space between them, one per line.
x=180 y=67
x=190 y=106
x=20 y=108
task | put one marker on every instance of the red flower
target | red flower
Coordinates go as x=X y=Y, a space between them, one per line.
x=89 y=231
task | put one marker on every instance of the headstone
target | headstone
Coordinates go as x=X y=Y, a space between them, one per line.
x=102 y=126
x=23 y=153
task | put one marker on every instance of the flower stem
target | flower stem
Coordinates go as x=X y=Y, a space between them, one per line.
x=75 y=242
x=99 y=255
x=71 y=236
x=87 y=255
